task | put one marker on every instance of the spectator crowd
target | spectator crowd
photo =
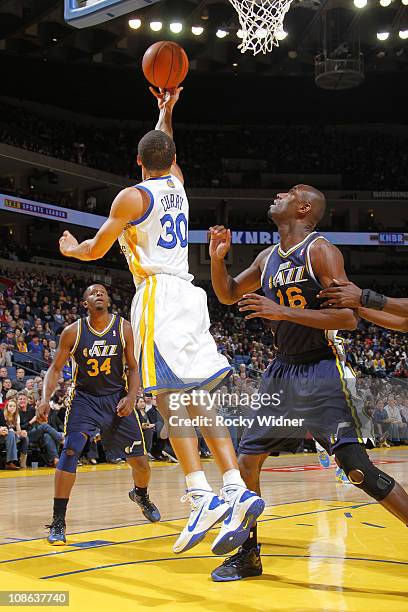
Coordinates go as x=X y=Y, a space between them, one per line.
x=366 y=159
x=36 y=307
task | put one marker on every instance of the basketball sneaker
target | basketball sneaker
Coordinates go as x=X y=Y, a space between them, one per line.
x=207 y=510
x=243 y=564
x=341 y=476
x=149 y=510
x=324 y=458
x=246 y=506
x=57 y=532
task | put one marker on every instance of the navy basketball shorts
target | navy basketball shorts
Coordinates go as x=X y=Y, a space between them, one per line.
x=96 y=414
x=296 y=398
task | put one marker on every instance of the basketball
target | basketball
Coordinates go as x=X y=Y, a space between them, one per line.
x=165 y=64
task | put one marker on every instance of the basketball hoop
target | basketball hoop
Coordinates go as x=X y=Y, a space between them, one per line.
x=261 y=23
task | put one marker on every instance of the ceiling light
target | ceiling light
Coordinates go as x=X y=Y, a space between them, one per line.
x=134 y=24
x=240 y=34
x=176 y=27
x=221 y=33
x=385 y=2
x=382 y=35
x=197 y=30
x=403 y=34
x=156 y=26
x=360 y=3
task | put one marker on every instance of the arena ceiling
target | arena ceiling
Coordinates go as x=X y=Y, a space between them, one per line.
x=36 y=28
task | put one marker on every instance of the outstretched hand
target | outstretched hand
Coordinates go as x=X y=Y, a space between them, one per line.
x=166 y=98
x=67 y=242
x=220 y=241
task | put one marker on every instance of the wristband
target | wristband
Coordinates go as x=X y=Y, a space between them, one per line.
x=372 y=299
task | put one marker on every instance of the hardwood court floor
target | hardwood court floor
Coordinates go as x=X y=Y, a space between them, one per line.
x=326 y=546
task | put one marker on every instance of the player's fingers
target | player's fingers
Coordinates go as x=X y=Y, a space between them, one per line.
x=330 y=304
x=249 y=307
x=328 y=292
x=252 y=296
x=341 y=283
x=253 y=315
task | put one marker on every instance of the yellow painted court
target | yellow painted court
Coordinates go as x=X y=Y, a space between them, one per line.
x=325 y=545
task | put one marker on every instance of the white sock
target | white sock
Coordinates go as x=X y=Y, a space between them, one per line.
x=197 y=480
x=233 y=477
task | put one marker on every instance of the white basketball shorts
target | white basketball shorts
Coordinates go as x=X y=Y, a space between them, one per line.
x=173 y=345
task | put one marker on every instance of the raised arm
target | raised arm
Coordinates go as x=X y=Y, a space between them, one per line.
x=327 y=263
x=166 y=99
x=227 y=289
x=66 y=344
x=129 y=204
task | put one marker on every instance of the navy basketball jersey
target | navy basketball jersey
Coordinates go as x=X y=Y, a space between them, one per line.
x=98 y=362
x=288 y=279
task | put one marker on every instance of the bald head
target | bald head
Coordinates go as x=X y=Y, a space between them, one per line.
x=310 y=195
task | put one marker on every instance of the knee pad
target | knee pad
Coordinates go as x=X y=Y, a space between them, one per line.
x=73 y=447
x=355 y=462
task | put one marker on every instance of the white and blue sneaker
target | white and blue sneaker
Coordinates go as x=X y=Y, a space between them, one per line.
x=341 y=476
x=324 y=458
x=207 y=510
x=246 y=506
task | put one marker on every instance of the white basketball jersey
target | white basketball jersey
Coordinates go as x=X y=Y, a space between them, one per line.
x=157 y=243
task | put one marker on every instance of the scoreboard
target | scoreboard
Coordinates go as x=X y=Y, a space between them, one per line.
x=85 y=13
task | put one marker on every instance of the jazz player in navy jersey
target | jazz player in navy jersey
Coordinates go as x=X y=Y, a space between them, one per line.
x=102 y=401
x=307 y=374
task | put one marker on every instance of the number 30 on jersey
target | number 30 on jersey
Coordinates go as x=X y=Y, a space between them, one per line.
x=175 y=231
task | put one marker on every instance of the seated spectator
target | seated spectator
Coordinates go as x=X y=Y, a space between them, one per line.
x=29 y=385
x=6 y=386
x=378 y=365
x=145 y=423
x=5 y=356
x=398 y=430
x=12 y=417
x=21 y=346
x=35 y=346
x=57 y=413
x=18 y=382
x=39 y=432
x=3 y=372
x=8 y=440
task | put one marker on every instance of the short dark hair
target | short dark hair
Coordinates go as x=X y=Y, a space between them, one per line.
x=156 y=150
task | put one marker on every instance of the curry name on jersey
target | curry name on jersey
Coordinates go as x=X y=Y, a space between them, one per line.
x=98 y=360
x=157 y=243
x=288 y=279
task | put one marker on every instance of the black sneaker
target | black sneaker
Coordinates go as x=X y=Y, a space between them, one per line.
x=243 y=564
x=148 y=508
x=57 y=532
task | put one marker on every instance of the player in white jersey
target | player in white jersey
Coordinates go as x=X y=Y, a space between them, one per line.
x=173 y=346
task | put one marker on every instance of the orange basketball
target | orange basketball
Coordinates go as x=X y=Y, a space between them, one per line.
x=165 y=64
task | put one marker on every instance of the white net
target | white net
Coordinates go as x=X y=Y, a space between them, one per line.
x=261 y=23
